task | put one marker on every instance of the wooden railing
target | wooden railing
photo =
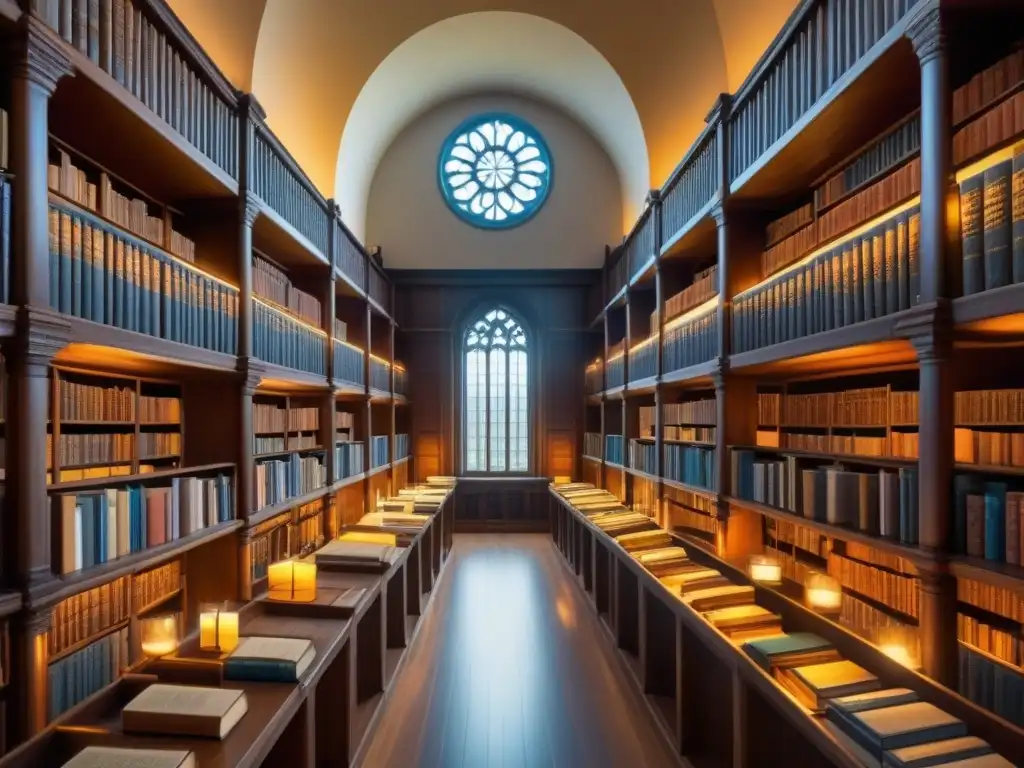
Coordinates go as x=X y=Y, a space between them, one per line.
x=280 y=339
x=167 y=71
x=617 y=276
x=349 y=257
x=639 y=245
x=643 y=359
x=348 y=364
x=692 y=185
x=278 y=180
x=377 y=286
x=380 y=374
x=823 y=40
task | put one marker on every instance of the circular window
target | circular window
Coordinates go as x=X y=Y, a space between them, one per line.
x=495 y=171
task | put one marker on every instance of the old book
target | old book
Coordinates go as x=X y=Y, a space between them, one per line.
x=355 y=552
x=270 y=659
x=971 y=228
x=745 y=622
x=991 y=760
x=183 y=710
x=129 y=757
x=1017 y=190
x=713 y=598
x=937 y=753
x=861 y=702
x=905 y=725
x=369 y=537
x=797 y=648
x=698 y=578
x=815 y=684
x=997 y=234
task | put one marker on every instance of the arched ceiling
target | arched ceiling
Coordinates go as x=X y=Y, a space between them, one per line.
x=308 y=62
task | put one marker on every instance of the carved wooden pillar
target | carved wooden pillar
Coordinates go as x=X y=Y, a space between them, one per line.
x=250 y=375
x=930 y=331
x=27 y=706
x=249 y=211
x=245 y=564
x=926 y=31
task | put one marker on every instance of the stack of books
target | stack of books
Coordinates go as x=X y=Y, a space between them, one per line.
x=633 y=542
x=352 y=553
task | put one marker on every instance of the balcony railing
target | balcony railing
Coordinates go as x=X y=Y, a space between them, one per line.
x=348 y=364
x=280 y=339
x=349 y=256
x=380 y=374
x=615 y=372
x=643 y=360
x=692 y=186
x=378 y=287
x=691 y=339
x=639 y=246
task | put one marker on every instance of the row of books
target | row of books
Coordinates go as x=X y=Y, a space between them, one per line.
x=94 y=527
x=690 y=434
x=380 y=374
x=995 y=407
x=282 y=340
x=643 y=456
x=690 y=342
x=264 y=445
x=136 y=52
x=864 y=407
x=703 y=288
x=592 y=445
x=128 y=213
x=303 y=419
x=1000 y=124
x=153 y=445
x=869 y=275
x=105 y=276
x=684 y=516
x=268 y=417
x=1008 y=646
x=878 y=627
x=614 y=452
x=992 y=685
x=88 y=613
x=791 y=249
x=895 y=590
x=379 y=451
x=993 y=253
x=895 y=146
x=1004 y=449
x=883 y=503
x=278 y=480
x=988 y=597
x=89 y=402
x=677 y=418
x=348 y=364
x=156 y=584
x=615 y=371
x=691 y=465
x=272 y=284
x=79 y=675
x=987 y=85
x=898 y=444
x=988 y=520
x=348 y=459
x=344 y=421
x=159 y=410
x=787 y=224
x=401 y=380
x=800 y=536
x=77 y=450
x=304 y=442
x=643 y=360
x=340 y=328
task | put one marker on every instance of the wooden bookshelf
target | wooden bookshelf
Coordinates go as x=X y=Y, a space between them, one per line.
x=740 y=273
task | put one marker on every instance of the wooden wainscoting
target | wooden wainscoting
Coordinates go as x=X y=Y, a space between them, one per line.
x=516 y=504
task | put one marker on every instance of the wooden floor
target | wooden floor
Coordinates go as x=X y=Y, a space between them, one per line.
x=511 y=668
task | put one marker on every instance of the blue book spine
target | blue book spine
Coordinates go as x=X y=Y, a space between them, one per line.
x=995 y=521
x=101 y=529
x=88 y=531
x=260 y=670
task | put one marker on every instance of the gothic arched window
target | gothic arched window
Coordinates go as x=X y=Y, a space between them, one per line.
x=496 y=423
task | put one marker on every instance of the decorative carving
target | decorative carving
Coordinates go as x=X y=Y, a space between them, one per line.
x=39 y=621
x=926 y=33
x=251 y=207
x=929 y=328
x=720 y=373
x=718 y=212
x=39 y=335
x=251 y=372
x=39 y=55
x=653 y=197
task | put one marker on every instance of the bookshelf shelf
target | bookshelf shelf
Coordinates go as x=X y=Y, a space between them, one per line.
x=75 y=647
x=997 y=311
x=990 y=469
x=1002 y=575
x=80 y=581
x=693 y=377
x=273 y=510
x=849 y=458
x=159 y=602
x=688 y=488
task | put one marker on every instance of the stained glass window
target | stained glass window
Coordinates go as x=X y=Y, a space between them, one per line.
x=496 y=395
x=495 y=171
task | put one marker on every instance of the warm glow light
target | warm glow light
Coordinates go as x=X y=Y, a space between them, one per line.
x=699 y=311
x=218 y=628
x=899 y=653
x=159 y=635
x=832 y=244
x=765 y=569
x=984 y=164
x=292 y=581
x=559 y=479
x=823 y=592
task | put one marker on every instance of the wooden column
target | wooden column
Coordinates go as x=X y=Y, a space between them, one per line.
x=39 y=62
x=250 y=374
x=658 y=331
x=27 y=705
x=250 y=113
x=604 y=402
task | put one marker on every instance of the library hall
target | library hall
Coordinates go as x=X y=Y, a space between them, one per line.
x=525 y=384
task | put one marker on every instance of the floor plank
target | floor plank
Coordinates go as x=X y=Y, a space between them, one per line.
x=511 y=668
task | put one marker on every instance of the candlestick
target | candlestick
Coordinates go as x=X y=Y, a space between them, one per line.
x=765 y=569
x=159 y=635
x=292 y=581
x=218 y=628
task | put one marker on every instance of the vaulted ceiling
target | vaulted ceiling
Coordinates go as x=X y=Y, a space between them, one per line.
x=339 y=79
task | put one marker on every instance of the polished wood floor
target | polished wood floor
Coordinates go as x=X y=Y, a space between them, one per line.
x=510 y=668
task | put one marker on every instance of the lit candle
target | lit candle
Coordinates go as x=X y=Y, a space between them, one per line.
x=293 y=581
x=218 y=628
x=823 y=592
x=765 y=569
x=159 y=635
x=899 y=653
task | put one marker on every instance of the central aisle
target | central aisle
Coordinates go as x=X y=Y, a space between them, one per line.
x=511 y=668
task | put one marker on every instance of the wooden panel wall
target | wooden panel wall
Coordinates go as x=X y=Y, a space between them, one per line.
x=432 y=308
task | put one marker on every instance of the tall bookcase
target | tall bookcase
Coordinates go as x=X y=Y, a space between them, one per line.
x=177 y=322
x=804 y=343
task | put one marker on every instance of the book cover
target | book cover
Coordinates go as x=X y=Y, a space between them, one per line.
x=797 y=646
x=936 y=753
x=131 y=757
x=997 y=218
x=904 y=725
x=182 y=710
x=269 y=659
x=995 y=521
x=1017 y=192
x=860 y=702
x=815 y=684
